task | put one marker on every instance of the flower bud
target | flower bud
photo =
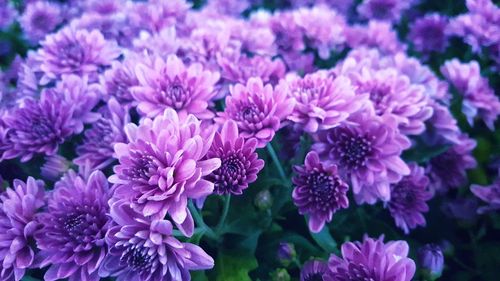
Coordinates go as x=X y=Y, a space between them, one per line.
x=263 y=200
x=280 y=274
x=431 y=258
x=286 y=253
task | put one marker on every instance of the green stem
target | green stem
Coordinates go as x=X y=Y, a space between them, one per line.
x=227 y=203
x=199 y=221
x=277 y=162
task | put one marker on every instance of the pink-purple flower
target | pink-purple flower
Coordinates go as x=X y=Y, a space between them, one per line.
x=319 y=191
x=258 y=109
x=162 y=166
x=322 y=101
x=240 y=163
x=170 y=84
x=428 y=33
x=39 y=19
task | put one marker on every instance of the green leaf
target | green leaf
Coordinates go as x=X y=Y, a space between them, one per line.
x=325 y=240
x=231 y=266
x=198 y=276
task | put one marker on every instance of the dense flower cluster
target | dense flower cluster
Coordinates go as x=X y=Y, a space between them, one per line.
x=136 y=113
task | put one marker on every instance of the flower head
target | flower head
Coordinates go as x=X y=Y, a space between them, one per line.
x=7 y=14
x=372 y=260
x=72 y=242
x=389 y=10
x=39 y=126
x=97 y=147
x=72 y=51
x=479 y=98
x=170 y=84
x=489 y=194
x=375 y=34
x=39 y=19
x=54 y=167
x=428 y=33
x=367 y=151
x=161 y=166
x=19 y=207
x=323 y=102
x=239 y=161
x=314 y=270
x=145 y=249
x=319 y=191
x=243 y=68
x=257 y=109
x=448 y=169
x=408 y=199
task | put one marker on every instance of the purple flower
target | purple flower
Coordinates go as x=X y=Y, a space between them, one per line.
x=161 y=168
x=289 y=35
x=170 y=84
x=242 y=68
x=376 y=34
x=155 y=15
x=428 y=33
x=7 y=13
x=448 y=169
x=479 y=98
x=72 y=51
x=321 y=36
x=72 y=241
x=18 y=225
x=82 y=96
x=39 y=19
x=390 y=10
x=228 y=7
x=257 y=109
x=489 y=194
x=145 y=249
x=442 y=126
x=430 y=257
x=314 y=270
x=408 y=199
x=239 y=161
x=372 y=260
x=319 y=192
x=367 y=150
x=286 y=253
x=392 y=93
x=119 y=79
x=323 y=102
x=54 y=167
x=39 y=126
x=97 y=147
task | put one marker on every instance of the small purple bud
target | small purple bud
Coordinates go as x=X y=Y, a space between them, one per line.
x=431 y=258
x=280 y=274
x=286 y=253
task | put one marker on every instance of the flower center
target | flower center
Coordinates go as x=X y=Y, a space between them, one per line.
x=353 y=151
x=175 y=94
x=354 y=272
x=72 y=53
x=143 y=167
x=74 y=222
x=249 y=113
x=40 y=126
x=379 y=96
x=137 y=258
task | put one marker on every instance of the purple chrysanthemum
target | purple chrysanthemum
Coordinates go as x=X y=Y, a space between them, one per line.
x=289 y=36
x=394 y=94
x=170 y=84
x=161 y=168
x=71 y=51
x=375 y=34
x=145 y=249
x=82 y=96
x=97 y=147
x=367 y=151
x=372 y=260
x=323 y=102
x=448 y=169
x=156 y=15
x=72 y=241
x=39 y=126
x=319 y=192
x=119 y=79
x=7 y=13
x=257 y=109
x=314 y=270
x=408 y=199
x=323 y=37
x=489 y=194
x=239 y=161
x=18 y=225
x=39 y=19
x=243 y=68
x=389 y=10
x=428 y=33
x=479 y=98
x=54 y=167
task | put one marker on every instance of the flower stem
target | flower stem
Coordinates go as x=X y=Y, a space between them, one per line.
x=199 y=221
x=277 y=162
x=227 y=203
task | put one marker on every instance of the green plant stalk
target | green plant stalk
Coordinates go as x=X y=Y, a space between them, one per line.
x=199 y=221
x=277 y=162
x=220 y=225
